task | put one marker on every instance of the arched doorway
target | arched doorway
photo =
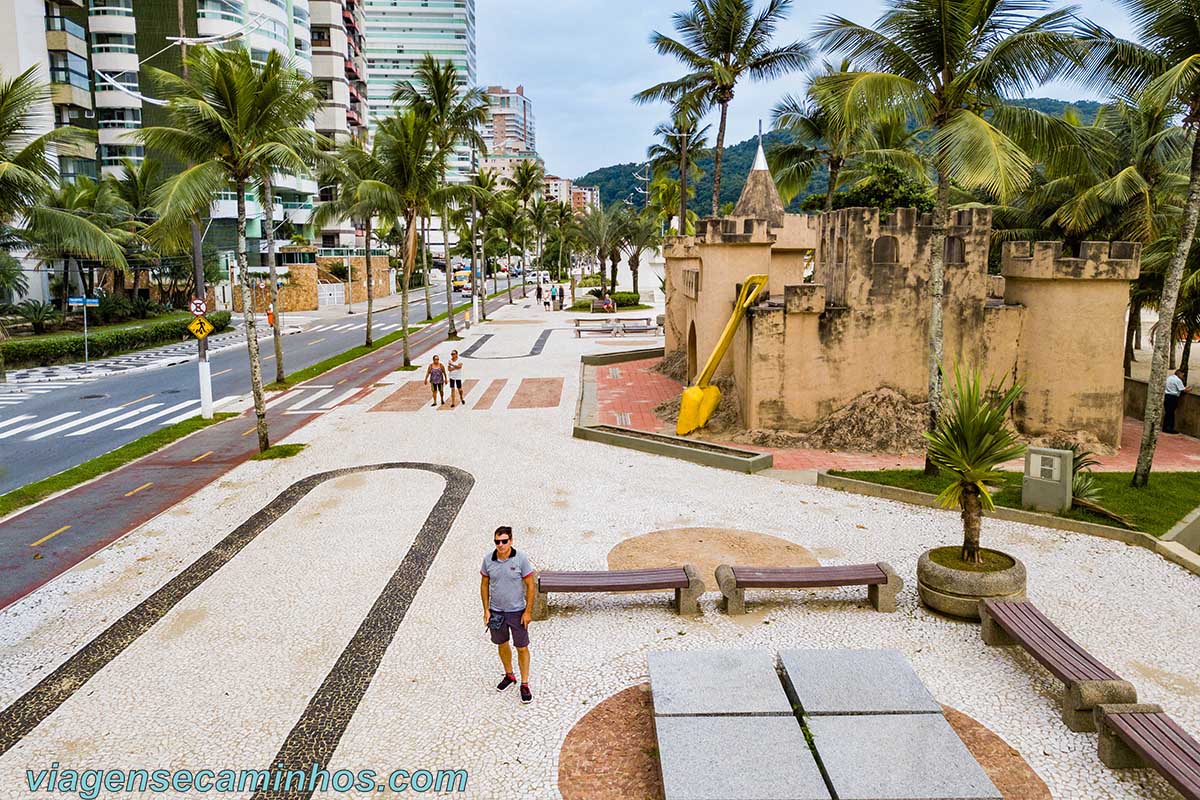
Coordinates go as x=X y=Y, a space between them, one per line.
x=691 y=353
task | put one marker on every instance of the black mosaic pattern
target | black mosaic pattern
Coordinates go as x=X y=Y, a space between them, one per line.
x=319 y=729
x=536 y=350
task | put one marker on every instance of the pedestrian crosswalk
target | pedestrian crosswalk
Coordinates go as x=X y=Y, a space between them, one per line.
x=336 y=328
x=15 y=394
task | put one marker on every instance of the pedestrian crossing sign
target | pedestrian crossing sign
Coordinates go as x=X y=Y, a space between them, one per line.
x=200 y=327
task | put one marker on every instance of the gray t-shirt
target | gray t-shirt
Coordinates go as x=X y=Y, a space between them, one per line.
x=506 y=585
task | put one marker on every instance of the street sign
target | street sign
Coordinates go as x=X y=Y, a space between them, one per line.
x=200 y=327
x=198 y=307
x=83 y=301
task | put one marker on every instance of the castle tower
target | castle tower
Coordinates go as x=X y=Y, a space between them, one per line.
x=760 y=199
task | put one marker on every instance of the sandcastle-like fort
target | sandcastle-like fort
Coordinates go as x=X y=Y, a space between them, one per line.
x=847 y=306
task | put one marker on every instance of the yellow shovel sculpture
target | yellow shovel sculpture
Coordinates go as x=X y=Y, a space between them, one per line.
x=701 y=400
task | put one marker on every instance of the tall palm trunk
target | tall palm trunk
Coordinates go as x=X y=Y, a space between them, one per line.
x=370 y=279
x=524 y=266
x=1186 y=356
x=508 y=272
x=425 y=267
x=835 y=167
x=634 y=263
x=937 y=285
x=603 y=276
x=260 y=406
x=410 y=262
x=272 y=277
x=716 y=195
x=478 y=271
x=683 y=170
x=1131 y=328
x=972 y=518
x=1156 y=390
x=450 y=331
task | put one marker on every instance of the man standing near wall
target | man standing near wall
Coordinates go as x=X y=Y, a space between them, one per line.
x=1175 y=391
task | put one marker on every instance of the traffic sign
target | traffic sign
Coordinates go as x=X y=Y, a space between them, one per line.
x=200 y=327
x=83 y=301
x=198 y=307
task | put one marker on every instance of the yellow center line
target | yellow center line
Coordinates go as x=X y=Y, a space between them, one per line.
x=222 y=372
x=317 y=341
x=343 y=380
x=268 y=358
x=143 y=486
x=202 y=456
x=364 y=369
x=49 y=536
x=247 y=433
x=135 y=402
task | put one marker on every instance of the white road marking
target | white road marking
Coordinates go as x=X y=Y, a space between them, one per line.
x=120 y=418
x=158 y=414
x=73 y=423
x=35 y=425
x=15 y=420
x=317 y=395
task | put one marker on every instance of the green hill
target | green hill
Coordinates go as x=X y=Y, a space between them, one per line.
x=616 y=182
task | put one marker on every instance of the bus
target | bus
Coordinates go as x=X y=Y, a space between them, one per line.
x=461 y=279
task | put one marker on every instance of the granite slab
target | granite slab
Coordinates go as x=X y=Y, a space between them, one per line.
x=826 y=682
x=717 y=682
x=737 y=758
x=898 y=757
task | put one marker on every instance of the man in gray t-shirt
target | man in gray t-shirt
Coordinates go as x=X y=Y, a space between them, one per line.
x=506 y=587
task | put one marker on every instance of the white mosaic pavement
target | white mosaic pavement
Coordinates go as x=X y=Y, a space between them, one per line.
x=222 y=678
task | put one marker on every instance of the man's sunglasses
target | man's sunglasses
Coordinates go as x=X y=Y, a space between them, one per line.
x=501 y=541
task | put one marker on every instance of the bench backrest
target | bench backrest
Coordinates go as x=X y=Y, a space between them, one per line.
x=1159 y=739
x=808 y=577
x=1052 y=648
x=613 y=580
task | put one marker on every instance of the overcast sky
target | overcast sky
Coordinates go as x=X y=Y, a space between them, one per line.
x=580 y=61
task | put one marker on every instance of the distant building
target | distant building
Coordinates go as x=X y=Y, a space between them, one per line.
x=558 y=189
x=505 y=164
x=510 y=129
x=585 y=197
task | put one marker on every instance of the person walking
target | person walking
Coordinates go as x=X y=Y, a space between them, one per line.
x=538 y=293
x=506 y=586
x=553 y=297
x=455 y=369
x=1175 y=391
x=435 y=377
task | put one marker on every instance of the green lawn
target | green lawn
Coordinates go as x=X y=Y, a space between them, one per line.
x=39 y=490
x=1154 y=509
x=95 y=327
x=278 y=451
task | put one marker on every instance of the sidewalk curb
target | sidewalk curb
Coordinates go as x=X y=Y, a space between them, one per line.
x=163 y=364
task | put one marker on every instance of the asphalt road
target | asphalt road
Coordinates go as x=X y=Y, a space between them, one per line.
x=52 y=432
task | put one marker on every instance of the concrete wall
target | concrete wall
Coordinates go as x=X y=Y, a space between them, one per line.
x=298 y=294
x=380 y=274
x=1187 y=416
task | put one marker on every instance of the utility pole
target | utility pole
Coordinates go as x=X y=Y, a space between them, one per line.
x=201 y=291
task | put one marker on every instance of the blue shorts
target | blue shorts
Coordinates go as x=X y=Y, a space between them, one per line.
x=512 y=622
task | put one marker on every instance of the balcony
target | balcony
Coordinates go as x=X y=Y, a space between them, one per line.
x=63 y=35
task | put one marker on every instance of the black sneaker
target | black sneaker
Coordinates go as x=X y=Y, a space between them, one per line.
x=526 y=695
x=508 y=681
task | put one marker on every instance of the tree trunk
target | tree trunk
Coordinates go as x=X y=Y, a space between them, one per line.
x=1187 y=353
x=425 y=267
x=634 y=263
x=410 y=262
x=478 y=273
x=972 y=519
x=524 y=266
x=937 y=282
x=716 y=194
x=450 y=331
x=835 y=166
x=370 y=279
x=272 y=277
x=614 y=258
x=683 y=168
x=260 y=405
x=1131 y=326
x=1156 y=390
x=508 y=270
x=1174 y=341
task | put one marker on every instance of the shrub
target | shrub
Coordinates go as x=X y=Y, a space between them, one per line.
x=114 y=308
x=589 y=280
x=68 y=348
x=38 y=314
x=141 y=308
x=626 y=299
x=581 y=305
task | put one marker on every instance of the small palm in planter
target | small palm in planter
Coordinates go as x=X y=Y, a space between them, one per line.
x=971 y=440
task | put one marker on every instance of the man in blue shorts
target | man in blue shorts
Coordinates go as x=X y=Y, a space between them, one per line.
x=506 y=588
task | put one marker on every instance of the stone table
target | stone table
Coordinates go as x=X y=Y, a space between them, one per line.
x=824 y=682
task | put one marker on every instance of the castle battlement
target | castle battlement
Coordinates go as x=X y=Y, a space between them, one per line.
x=1114 y=261
x=734 y=230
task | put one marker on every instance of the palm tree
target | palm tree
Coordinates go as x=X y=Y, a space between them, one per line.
x=971 y=441
x=507 y=221
x=640 y=235
x=598 y=230
x=948 y=67
x=230 y=119
x=1166 y=65
x=720 y=41
x=457 y=114
x=134 y=189
x=95 y=203
x=681 y=145
x=486 y=185
x=525 y=183
x=566 y=228
x=539 y=221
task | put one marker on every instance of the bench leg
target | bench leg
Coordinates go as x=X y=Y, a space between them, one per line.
x=733 y=599
x=687 y=600
x=541 y=609
x=883 y=596
x=993 y=635
x=1079 y=700
x=1111 y=748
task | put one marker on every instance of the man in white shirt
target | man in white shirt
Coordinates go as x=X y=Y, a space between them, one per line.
x=1175 y=390
x=456 y=378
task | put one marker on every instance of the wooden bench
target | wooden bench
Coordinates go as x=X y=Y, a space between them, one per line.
x=684 y=580
x=1135 y=736
x=881 y=581
x=1087 y=682
x=598 y=305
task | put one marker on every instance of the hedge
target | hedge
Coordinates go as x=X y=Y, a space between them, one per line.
x=40 y=351
x=622 y=299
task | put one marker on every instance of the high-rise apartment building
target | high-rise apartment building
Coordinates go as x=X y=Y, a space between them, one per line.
x=510 y=127
x=558 y=189
x=585 y=197
x=400 y=33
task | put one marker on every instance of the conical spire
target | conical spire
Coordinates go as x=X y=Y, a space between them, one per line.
x=760 y=198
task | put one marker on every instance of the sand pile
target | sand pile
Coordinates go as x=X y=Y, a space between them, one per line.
x=674 y=366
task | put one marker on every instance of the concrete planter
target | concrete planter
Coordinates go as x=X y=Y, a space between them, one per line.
x=957 y=592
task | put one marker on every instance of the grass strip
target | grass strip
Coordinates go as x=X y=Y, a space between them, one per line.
x=39 y=490
x=1155 y=509
x=278 y=451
